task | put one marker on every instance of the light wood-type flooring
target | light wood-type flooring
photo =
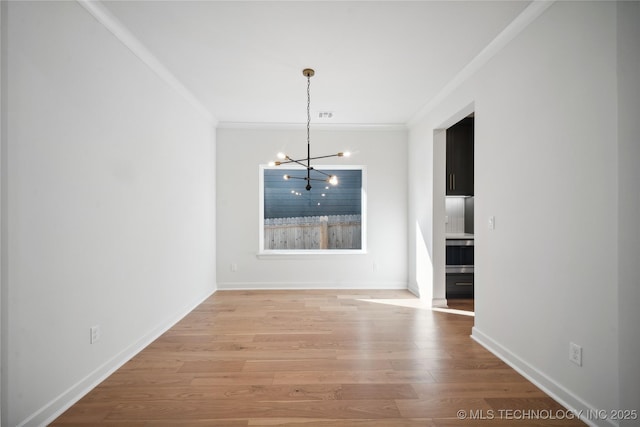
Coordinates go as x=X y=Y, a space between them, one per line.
x=316 y=359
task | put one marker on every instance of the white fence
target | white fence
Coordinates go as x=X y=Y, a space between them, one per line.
x=313 y=232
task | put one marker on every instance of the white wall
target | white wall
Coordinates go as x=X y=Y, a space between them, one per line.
x=545 y=166
x=629 y=204
x=3 y=180
x=241 y=151
x=108 y=202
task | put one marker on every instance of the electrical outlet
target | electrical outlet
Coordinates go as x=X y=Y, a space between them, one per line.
x=575 y=353
x=234 y=267
x=95 y=334
x=492 y=223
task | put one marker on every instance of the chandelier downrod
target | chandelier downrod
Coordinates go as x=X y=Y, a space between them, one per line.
x=308 y=73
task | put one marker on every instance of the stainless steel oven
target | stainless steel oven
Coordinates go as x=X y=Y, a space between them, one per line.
x=459 y=268
x=459 y=256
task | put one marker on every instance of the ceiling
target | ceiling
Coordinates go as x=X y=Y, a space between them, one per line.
x=376 y=62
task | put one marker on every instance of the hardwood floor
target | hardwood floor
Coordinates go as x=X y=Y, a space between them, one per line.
x=316 y=358
x=461 y=304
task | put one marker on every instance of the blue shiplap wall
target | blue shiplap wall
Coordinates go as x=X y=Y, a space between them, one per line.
x=281 y=200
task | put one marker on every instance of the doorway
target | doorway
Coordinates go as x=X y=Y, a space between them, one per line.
x=459 y=217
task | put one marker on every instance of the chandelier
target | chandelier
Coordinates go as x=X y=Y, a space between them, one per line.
x=306 y=162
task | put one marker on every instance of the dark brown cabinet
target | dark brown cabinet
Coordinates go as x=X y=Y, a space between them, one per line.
x=459 y=285
x=459 y=179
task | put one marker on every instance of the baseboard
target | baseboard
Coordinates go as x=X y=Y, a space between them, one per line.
x=558 y=392
x=414 y=289
x=269 y=286
x=435 y=302
x=64 y=401
x=439 y=302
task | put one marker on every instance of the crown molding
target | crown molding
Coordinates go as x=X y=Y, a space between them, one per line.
x=315 y=126
x=111 y=23
x=526 y=17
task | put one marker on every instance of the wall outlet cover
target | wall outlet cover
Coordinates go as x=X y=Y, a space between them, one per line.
x=95 y=334
x=575 y=354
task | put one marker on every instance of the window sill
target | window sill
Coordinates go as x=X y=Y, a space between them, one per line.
x=308 y=254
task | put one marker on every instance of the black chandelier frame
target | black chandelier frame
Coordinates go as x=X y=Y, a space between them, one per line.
x=306 y=162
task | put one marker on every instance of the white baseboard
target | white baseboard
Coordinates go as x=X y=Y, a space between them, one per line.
x=299 y=286
x=65 y=400
x=414 y=289
x=439 y=302
x=435 y=302
x=558 y=392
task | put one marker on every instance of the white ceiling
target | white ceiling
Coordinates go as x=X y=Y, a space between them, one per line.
x=376 y=62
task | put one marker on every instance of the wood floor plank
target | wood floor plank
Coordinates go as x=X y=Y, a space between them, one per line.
x=412 y=354
x=234 y=409
x=87 y=412
x=520 y=389
x=448 y=364
x=316 y=365
x=440 y=407
x=191 y=423
x=391 y=422
x=313 y=358
x=252 y=392
x=376 y=391
x=256 y=378
x=271 y=354
x=352 y=377
x=212 y=366
x=125 y=378
x=524 y=403
x=475 y=375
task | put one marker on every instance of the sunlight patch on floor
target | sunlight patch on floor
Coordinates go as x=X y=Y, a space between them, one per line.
x=401 y=302
x=454 y=311
x=417 y=303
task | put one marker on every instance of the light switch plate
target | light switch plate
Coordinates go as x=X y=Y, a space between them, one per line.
x=95 y=334
x=492 y=223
